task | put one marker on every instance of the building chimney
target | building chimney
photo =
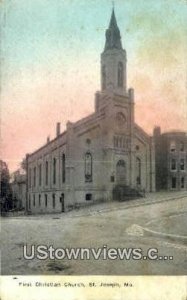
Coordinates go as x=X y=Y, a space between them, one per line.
x=48 y=139
x=58 y=129
x=157 y=131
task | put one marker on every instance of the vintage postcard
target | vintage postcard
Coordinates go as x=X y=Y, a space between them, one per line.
x=93 y=167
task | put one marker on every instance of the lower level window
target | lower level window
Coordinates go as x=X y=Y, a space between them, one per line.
x=54 y=201
x=45 y=200
x=173 y=182
x=182 y=182
x=88 y=197
x=29 y=202
x=34 y=200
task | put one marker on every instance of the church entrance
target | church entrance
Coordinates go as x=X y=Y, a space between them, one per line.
x=121 y=172
x=119 y=189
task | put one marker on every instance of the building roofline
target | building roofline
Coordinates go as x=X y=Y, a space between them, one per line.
x=174 y=131
x=46 y=144
x=142 y=130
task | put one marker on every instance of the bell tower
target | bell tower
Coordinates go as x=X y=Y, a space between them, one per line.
x=113 y=60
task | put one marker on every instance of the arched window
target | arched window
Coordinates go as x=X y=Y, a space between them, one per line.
x=120 y=74
x=88 y=167
x=63 y=168
x=103 y=77
x=54 y=170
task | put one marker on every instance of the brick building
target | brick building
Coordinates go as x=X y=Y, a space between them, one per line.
x=171 y=160
x=96 y=154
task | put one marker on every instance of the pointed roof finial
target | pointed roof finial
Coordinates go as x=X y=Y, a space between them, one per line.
x=113 y=22
x=113 y=5
x=113 y=38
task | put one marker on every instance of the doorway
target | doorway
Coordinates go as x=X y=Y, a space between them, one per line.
x=121 y=172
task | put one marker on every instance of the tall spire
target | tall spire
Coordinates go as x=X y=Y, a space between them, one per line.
x=113 y=38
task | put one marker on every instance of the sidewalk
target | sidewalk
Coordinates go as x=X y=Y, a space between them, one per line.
x=96 y=208
x=151 y=198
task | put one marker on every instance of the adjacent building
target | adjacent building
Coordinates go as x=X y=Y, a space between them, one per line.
x=97 y=154
x=171 y=160
x=18 y=189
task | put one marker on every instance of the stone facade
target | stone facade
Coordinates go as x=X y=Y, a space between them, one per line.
x=171 y=160
x=97 y=153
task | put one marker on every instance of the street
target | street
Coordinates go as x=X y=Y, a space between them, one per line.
x=159 y=221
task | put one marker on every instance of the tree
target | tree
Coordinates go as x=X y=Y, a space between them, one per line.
x=5 y=191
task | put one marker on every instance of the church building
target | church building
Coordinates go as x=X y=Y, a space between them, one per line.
x=103 y=156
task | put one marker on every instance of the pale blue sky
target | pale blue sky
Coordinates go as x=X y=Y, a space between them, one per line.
x=37 y=31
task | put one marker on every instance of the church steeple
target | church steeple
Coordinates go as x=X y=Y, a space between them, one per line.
x=113 y=38
x=113 y=60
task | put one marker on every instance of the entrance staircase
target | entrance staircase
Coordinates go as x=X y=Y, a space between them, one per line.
x=124 y=192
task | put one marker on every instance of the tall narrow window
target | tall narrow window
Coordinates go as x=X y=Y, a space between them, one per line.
x=120 y=74
x=173 y=182
x=182 y=182
x=39 y=200
x=45 y=200
x=54 y=170
x=114 y=141
x=29 y=179
x=46 y=172
x=29 y=201
x=34 y=177
x=63 y=168
x=182 y=164
x=117 y=141
x=54 y=203
x=40 y=174
x=34 y=203
x=138 y=170
x=88 y=167
x=181 y=146
x=124 y=143
x=173 y=164
x=103 y=77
